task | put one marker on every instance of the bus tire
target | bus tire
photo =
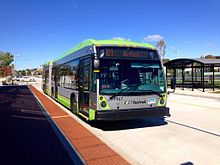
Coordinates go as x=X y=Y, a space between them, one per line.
x=52 y=92
x=73 y=104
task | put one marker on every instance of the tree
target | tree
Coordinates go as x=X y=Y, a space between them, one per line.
x=21 y=72
x=28 y=71
x=6 y=58
x=161 y=47
x=165 y=60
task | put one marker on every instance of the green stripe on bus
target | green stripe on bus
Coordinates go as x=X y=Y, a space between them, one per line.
x=92 y=114
x=63 y=100
x=46 y=91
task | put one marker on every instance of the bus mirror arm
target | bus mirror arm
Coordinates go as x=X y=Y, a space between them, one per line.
x=96 y=64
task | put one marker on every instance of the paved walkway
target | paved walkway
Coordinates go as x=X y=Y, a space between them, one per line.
x=26 y=136
x=209 y=93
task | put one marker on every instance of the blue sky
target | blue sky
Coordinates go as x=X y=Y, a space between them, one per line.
x=36 y=31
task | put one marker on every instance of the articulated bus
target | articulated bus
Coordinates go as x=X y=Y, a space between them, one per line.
x=108 y=80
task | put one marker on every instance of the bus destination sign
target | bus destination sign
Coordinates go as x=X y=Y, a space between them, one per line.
x=128 y=53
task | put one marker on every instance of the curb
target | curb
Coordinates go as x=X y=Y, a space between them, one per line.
x=72 y=152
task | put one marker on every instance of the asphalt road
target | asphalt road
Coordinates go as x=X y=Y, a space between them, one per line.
x=195 y=111
x=26 y=136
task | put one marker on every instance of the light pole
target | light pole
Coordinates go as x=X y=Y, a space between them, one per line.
x=176 y=52
x=18 y=55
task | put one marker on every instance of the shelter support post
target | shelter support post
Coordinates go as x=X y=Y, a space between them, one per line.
x=166 y=76
x=202 y=78
x=213 y=77
x=183 y=83
x=192 y=77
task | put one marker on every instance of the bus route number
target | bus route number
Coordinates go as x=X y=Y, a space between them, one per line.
x=117 y=98
x=109 y=53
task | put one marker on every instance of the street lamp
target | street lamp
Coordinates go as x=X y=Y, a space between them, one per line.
x=176 y=52
x=18 y=55
x=15 y=56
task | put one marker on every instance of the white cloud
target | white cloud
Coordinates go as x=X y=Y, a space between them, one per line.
x=121 y=38
x=153 y=38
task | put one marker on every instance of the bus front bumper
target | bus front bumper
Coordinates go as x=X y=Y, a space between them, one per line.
x=121 y=114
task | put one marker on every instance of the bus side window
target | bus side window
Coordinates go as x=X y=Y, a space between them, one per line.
x=94 y=82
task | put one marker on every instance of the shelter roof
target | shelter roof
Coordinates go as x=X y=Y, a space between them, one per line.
x=187 y=62
x=208 y=60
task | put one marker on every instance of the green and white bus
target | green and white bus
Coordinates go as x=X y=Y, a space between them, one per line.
x=108 y=80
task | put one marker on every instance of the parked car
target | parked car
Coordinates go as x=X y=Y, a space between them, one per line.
x=32 y=79
x=16 y=78
x=26 y=79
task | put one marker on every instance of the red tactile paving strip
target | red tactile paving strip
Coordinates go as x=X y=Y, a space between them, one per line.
x=90 y=148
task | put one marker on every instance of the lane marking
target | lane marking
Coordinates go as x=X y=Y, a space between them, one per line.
x=57 y=117
x=28 y=117
x=194 y=127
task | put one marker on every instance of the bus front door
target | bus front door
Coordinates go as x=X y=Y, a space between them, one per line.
x=84 y=69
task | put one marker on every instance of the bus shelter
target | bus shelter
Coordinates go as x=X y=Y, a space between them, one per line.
x=194 y=73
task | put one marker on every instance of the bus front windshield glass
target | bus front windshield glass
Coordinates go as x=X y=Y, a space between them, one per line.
x=128 y=77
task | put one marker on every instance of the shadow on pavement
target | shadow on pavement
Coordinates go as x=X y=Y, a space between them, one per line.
x=128 y=124
x=26 y=135
x=187 y=163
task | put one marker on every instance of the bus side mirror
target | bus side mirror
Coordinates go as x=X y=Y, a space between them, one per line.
x=96 y=64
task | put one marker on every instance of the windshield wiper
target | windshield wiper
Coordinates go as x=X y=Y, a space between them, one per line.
x=118 y=93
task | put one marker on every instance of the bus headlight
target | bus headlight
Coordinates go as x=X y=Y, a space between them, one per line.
x=162 y=101
x=103 y=104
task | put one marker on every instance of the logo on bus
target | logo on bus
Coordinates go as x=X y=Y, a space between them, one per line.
x=135 y=102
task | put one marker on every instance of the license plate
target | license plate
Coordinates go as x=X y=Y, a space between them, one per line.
x=151 y=100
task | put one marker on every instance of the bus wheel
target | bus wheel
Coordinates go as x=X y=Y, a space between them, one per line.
x=52 y=93
x=73 y=105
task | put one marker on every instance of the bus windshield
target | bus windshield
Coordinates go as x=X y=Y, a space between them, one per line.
x=129 y=77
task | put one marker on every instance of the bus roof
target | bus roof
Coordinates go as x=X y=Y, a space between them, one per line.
x=47 y=63
x=113 y=42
